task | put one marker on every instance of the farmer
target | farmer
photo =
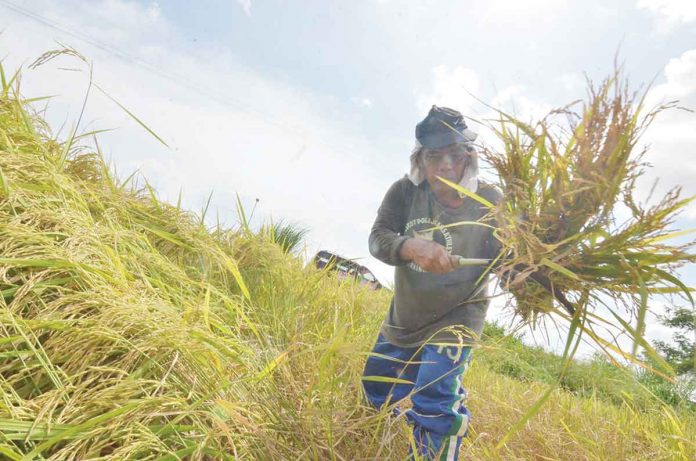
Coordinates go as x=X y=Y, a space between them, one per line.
x=438 y=307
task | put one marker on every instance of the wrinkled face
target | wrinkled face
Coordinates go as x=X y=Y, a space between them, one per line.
x=448 y=162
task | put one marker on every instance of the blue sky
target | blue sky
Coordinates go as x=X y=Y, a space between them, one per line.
x=310 y=106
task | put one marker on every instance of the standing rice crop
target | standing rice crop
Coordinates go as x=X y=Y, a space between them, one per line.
x=129 y=330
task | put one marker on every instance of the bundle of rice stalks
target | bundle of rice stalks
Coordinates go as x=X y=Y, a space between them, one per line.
x=566 y=180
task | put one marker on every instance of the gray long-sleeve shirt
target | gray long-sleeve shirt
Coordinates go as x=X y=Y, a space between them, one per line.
x=426 y=304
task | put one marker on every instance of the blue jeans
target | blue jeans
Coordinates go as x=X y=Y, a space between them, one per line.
x=432 y=376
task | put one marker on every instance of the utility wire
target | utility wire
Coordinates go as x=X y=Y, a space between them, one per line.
x=178 y=79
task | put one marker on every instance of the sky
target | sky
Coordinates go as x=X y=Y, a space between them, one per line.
x=307 y=109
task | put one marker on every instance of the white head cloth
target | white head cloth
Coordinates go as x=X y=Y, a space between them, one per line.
x=469 y=178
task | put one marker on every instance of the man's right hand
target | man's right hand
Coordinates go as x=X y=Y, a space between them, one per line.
x=428 y=255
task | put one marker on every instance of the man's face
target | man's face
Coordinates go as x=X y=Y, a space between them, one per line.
x=447 y=162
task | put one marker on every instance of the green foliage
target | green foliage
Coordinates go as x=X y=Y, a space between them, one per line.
x=676 y=394
x=682 y=355
x=595 y=378
x=289 y=236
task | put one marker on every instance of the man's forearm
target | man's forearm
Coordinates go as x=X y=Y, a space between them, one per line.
x=406 y=252
x=386 y=246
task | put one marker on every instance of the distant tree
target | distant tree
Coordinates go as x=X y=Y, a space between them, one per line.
x=682 y=353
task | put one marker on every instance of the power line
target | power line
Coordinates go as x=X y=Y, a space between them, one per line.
x=178 y=79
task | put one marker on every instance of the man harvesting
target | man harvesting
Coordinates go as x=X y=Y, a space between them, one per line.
x=438 y=309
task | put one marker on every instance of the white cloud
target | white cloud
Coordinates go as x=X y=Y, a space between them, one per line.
x=670 y=13
x=573 y=83
x=680 y=83
x=246 y=6
x=424 y=25
x=460 y=88
x=364 y=103
x=456 y=87
x=122 y=23
x=514 y=100
x=231 y=129
x=522 y=10
x=672 y=138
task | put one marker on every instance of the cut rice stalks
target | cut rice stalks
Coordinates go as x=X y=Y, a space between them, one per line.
x=567 y=180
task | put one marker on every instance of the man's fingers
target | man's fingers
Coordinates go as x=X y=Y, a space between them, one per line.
x=436 y=259
x=441 y=264
x=446 y=262
x=454 y=261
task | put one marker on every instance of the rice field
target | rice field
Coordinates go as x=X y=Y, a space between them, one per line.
x=130 y=330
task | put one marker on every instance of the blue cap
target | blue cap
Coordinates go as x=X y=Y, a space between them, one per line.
x=443 y=126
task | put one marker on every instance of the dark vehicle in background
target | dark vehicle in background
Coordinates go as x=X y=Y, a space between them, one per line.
x=346 y=268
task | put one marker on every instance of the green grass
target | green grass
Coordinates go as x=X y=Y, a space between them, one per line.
x=129 y=330
x=590 y=378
